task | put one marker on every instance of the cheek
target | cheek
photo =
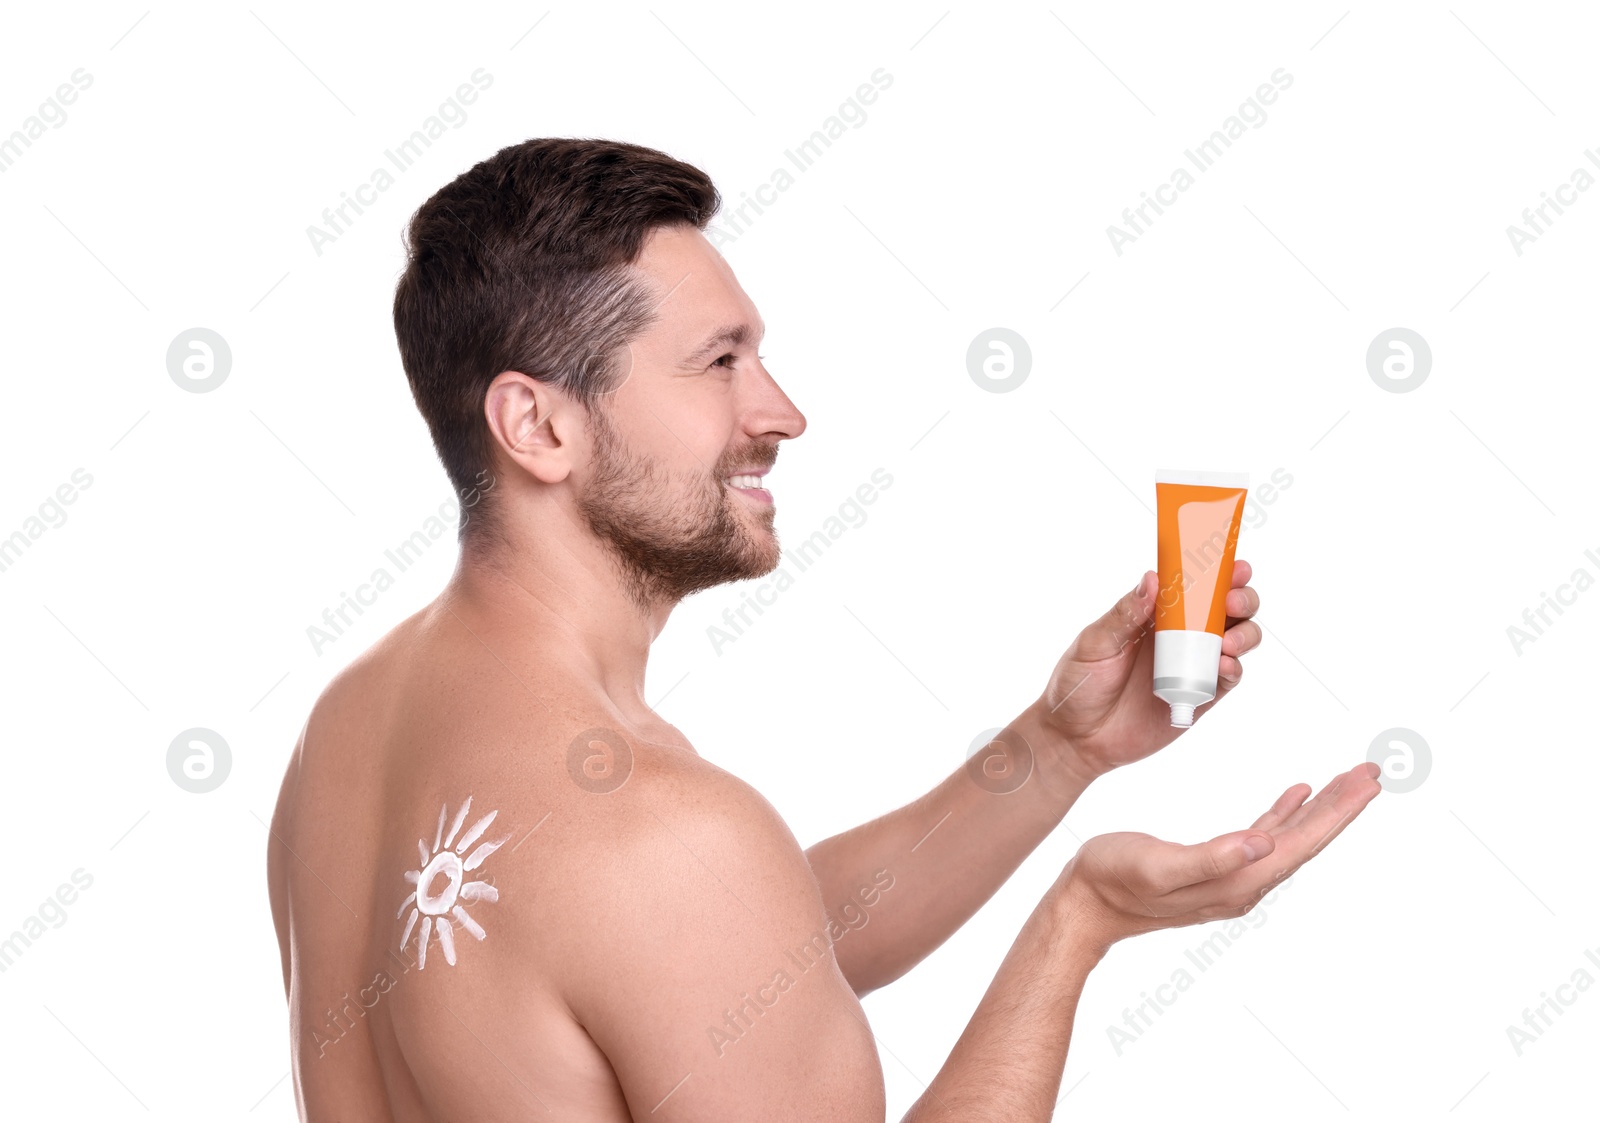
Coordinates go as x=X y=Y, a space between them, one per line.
x=687 y=436
x=694 y=450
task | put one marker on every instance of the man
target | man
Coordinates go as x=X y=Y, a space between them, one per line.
x=505 y=889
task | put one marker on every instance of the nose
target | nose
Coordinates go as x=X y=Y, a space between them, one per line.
x=768 y=411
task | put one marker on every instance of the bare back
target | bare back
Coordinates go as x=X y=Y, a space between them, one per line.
x=472 y=912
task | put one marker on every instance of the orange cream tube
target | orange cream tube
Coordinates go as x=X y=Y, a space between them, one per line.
x=1197 y=528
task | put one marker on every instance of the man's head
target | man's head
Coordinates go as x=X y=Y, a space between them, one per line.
x=558 y=320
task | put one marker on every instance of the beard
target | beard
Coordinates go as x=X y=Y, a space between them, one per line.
x=669 y=535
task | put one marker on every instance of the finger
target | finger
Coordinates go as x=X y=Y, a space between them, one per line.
x=1319 y=823
x=1242 y=573
x=1229 y=672
x=1330 y=793
x=1206 y=861
x=1124 y=623
x=1241 y=603
x=1285 y=806
x=1241 y=638
x=1309 y=830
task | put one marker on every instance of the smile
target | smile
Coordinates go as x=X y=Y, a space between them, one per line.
x=750 y=486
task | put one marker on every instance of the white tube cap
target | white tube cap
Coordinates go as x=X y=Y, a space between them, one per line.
x=1186 y=671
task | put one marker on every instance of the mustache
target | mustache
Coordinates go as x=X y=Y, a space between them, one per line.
x=762 y=456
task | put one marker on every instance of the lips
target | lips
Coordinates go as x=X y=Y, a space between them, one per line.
x=749 y=486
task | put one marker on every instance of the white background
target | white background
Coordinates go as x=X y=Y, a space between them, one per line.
x=1231 y=336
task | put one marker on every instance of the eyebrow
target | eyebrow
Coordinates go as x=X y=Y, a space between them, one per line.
x=732 y=335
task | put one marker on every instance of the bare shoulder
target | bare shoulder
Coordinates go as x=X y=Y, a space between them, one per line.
x=632 y=827
x=671 y=799
x=693 y=949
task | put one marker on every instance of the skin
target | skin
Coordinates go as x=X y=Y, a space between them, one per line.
x=644 y=893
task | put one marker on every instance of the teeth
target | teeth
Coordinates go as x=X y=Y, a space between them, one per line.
x=744 y=481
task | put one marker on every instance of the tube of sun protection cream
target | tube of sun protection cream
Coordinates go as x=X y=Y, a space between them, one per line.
x=1197 y=527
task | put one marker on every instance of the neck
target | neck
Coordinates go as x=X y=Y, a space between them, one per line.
x=564 y=597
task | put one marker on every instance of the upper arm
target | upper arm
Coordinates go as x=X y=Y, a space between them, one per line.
x=704 y=969
x=277 y=859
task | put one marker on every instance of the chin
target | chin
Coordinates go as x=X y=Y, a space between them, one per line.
x=772 y=563
x=768 y=555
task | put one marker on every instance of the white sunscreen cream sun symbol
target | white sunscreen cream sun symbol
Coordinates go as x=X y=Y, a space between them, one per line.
x=436 y=908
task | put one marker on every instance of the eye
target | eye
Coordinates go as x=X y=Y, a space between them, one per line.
x=726 y=361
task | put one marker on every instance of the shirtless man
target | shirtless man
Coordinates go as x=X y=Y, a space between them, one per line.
x=506 y=889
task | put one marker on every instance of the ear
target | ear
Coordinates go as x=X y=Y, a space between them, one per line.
x=532 y=424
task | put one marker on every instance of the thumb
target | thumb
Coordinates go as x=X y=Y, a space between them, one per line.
x=1124 y=623
x=1223 y=855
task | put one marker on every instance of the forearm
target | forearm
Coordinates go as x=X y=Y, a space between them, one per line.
x=947 y=852
x=1008 y=1062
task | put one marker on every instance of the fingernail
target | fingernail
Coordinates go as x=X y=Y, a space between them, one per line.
x=1255 y=848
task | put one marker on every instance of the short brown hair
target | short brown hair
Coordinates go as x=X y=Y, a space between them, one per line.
x=524 y=262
